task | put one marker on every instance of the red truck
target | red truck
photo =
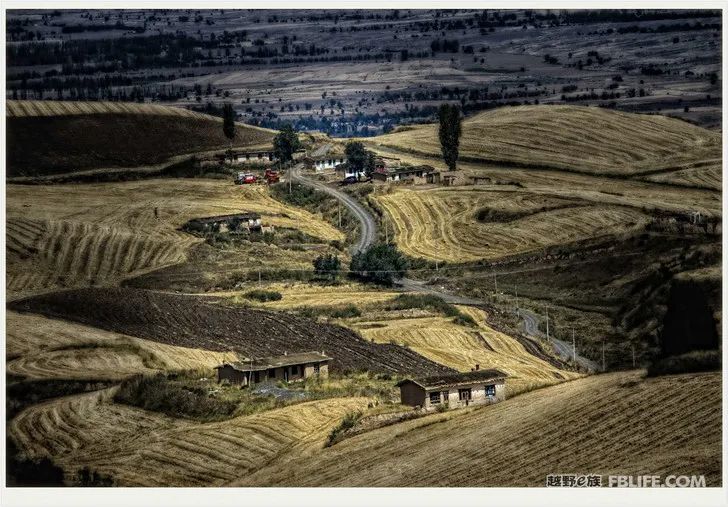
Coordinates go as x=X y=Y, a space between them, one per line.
x=272 y=176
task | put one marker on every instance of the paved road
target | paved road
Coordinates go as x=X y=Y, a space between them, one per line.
x=563 y=349
x=367 y=238
x=368 y=233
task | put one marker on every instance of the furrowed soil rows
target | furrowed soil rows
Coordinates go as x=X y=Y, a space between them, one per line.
x=443 y=224
x=141 y=448
x=618 y=424
x=196 y=322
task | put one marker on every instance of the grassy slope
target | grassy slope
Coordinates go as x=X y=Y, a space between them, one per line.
x=53 y=138
x=582 y=139
x=97 y=234
x=606 y=424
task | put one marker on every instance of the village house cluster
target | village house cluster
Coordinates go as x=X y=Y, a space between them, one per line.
x=476 y=387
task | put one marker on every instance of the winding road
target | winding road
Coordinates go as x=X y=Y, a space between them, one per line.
x=368 y=235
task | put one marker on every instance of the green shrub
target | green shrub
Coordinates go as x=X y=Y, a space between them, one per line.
x=347 y=311
x=348 y=422
x=381 y=264
x=162 y=393
x=263 y=295
x=695 y=361
x=465 y=320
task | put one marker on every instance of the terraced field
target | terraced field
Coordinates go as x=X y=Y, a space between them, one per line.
x=442 y=224
x=50 y=138
x=583 y=139
x=39 y=348
x=141 y=448
x=98 y=234
x=459 y=347
x=199 y=322
x=615 y=423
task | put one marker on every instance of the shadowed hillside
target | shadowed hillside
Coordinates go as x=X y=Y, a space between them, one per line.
x=73 y=136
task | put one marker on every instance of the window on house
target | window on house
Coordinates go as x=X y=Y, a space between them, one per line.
x=316 y=368
x=435 y=397
x=490 y=390
x=294 y=370
x=272 y=373
x=465 y=394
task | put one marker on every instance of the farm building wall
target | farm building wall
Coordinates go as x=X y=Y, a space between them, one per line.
x=451 y=396
x=310 y=370
x=412 y=394
x=232 y=375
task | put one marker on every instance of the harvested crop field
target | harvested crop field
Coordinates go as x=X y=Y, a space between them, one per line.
x=460 y=347
x=461 y=225
x=197 y=322
x=583 y=139
x=301 y=295
x=61 y=137
x=616 y=423
x=41 y=348
x=142 y=448
x=98 y=234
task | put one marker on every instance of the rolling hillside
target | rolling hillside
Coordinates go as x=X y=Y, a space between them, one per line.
x=99 y=234
x=466 y=224
x=582 y=139
x=60 y=137
x=616 y=423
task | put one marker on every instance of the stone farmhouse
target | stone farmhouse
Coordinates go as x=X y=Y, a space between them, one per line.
x=288 y=368
x=454 y=390
x=413 y=174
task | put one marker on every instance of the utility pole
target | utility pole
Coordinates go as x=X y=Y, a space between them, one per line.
x=259 y=278
x=633 y=358
x=573 y=344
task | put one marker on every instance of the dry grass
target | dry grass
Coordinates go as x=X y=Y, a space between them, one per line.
x=584 y=139
x=98 y=234
x=442 y=224
x=605 y=424
x=141 y=448
x=41 y=348
x=439 y=339
x=300 y=294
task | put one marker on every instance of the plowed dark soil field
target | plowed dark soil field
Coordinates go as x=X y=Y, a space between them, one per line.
x=202 y=322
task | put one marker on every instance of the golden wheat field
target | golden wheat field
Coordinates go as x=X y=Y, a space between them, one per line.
x=296 y=295
x=38 y=347
x=442 y=223
x=141 y=448
x=584 y=139
x=617 y=423
x=98 y=234
x=460 y=347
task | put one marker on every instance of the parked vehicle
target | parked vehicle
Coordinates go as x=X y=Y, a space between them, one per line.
x=246 y=179
x=349 y=180
x=272 y=176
